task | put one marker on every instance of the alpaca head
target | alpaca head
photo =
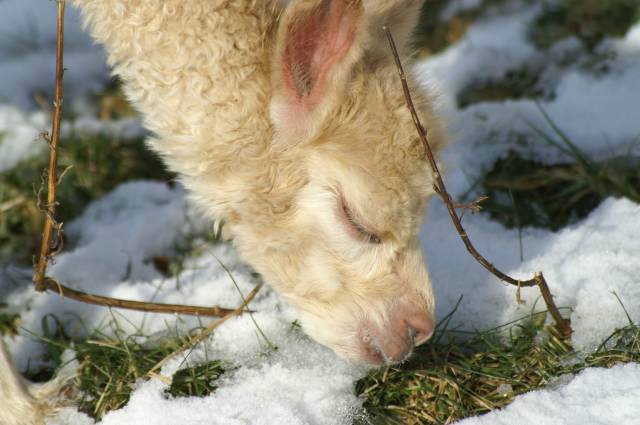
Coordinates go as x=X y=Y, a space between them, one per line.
x=353 y=183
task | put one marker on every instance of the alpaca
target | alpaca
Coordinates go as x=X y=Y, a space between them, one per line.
x=17 y=405
x=286 y=121
x=22 y=404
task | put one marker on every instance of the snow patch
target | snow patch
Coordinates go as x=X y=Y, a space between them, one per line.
x=595 y=396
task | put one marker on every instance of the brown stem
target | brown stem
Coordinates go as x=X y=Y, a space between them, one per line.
x=52 y=179
x=474 y=206
x=52 y=285
x=440 y=188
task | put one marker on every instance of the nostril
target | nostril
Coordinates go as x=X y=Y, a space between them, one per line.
x=421 y=337
x=420 y=328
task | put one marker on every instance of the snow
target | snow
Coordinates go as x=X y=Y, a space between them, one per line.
x=27 y=49
x=595 y=111
x=490 y=47
x=595 y=396
x=298 y=384
x=115 y=238
x=302 y=382
x=21 y=132
x=456 y=6
x=27 y=70
x=19 y=135
x=583 y=264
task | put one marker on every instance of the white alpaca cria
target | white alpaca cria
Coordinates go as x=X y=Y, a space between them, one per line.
x=29 y=404
x=17 y=406
x=286 y=120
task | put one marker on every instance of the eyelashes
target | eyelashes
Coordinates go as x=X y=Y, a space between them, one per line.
x=362 y=231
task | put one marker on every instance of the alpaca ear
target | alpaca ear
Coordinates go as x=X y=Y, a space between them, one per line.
x=317 y=46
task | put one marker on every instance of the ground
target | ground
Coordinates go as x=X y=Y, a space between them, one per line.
x=539 y=97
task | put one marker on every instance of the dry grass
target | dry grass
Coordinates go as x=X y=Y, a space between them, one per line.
x=111 y=366
x=451 y=379
x=524 y=192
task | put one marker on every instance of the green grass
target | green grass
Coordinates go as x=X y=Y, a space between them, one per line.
x=458 y=374
x=524 y=192
x=452 y=378
x=432 y=34
x=99 y=162
x=111 y=366
x=588 y=20
x=110 y=370
x=516 y=84
x=197 y=381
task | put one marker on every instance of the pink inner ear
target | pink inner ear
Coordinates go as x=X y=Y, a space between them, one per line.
x=314 y=44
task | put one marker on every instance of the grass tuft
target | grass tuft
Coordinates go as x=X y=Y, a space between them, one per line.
x=520 y=83
x=434 y=34
x=524 y=192
x=588 y=20
x=451 y=379
x=196 y=381
x=99 y=164
x=110 y=369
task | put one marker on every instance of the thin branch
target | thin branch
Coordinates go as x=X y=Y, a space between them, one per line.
x=53 y=285
x=474 y=206
x=538 y=279
x=52 y=179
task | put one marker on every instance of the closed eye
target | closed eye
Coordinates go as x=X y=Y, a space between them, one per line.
x=357 y=227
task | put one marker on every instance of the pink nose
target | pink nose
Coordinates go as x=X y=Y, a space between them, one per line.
x=421 y=326
x=407 y=328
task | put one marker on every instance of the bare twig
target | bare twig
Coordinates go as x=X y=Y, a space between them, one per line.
x=49 y=249
x=538 y=280
x=474 y=206
x=53 y=285
x=52 y=179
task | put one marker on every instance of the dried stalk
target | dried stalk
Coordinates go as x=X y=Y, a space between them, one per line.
x=53 y=285
x=12 y=203
x=50 y=208
x=48 y=250
x=538 y=279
